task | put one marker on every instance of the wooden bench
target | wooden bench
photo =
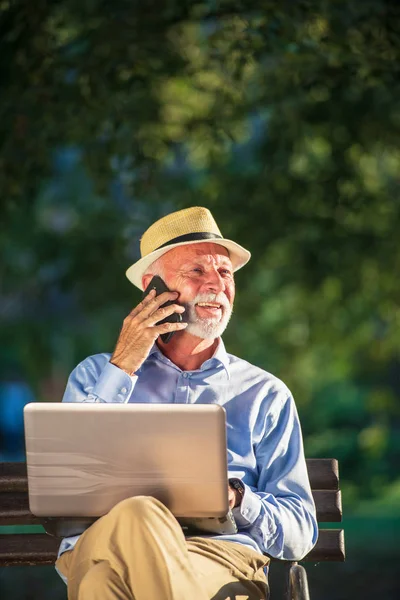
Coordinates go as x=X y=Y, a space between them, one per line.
x=41 y=549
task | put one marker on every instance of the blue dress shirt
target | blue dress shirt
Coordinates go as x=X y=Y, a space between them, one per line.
x=265 y=448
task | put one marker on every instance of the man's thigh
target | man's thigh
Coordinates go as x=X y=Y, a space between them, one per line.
x=227 y=570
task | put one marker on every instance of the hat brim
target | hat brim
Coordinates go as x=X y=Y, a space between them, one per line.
x=238 y=255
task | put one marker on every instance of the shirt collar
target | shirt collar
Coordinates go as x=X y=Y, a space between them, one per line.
x=220 y=356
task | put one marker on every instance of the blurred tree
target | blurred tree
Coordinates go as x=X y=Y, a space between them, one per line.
x=282 y=117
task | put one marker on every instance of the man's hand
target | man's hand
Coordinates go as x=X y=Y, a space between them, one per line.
x=139 y=330
x=234 y=497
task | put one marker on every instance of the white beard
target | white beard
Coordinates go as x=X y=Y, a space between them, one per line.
x=202 y=327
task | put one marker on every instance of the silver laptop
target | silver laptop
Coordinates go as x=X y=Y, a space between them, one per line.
x=83 y=458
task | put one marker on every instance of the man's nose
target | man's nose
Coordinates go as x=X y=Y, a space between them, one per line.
x=214 y=282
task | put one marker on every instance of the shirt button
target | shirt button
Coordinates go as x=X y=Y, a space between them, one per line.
x=124 y=390
x=185 y=375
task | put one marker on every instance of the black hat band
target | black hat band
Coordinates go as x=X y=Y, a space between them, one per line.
x=190 y=237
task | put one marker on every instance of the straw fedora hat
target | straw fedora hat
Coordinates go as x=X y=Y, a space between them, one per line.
x=188 y=226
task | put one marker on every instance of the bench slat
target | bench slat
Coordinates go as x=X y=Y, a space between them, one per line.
x=35 y=549
x=329 y=505
x=14 y=508
x=323 y=474
x=13 y=477
x=27 y=549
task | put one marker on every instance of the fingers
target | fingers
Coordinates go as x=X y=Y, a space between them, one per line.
x=149 y=312
x=167 y=327
x=156 y=302
x=136 y=310
x=150 y=303
x=162 y=313
x=231 y=497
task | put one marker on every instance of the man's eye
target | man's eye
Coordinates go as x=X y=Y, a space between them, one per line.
x=197 y=270
x=225 y=272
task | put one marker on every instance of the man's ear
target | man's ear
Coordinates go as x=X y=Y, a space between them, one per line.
x=146 y=280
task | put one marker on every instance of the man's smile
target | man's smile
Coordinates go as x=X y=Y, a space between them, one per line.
x=209 y=309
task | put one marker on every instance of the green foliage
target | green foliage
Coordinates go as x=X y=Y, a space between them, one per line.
x=280 y=117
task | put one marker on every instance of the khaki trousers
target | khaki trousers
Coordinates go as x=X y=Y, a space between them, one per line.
x=138 y=552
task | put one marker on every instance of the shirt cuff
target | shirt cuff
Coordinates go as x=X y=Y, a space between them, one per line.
x=114 y=385
x=248 y=510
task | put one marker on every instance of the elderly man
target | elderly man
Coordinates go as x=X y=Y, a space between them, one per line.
x=138 y=551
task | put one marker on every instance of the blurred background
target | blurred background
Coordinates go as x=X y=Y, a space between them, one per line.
x=281 y=117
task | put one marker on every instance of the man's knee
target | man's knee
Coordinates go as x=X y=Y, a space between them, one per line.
x=113 y=537
x=139 y=508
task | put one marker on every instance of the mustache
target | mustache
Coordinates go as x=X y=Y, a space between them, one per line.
x=222 y=300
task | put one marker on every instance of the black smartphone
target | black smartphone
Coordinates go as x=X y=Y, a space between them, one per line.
x=160 y=286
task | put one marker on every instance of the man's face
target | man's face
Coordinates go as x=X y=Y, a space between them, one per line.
x=202 y=274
